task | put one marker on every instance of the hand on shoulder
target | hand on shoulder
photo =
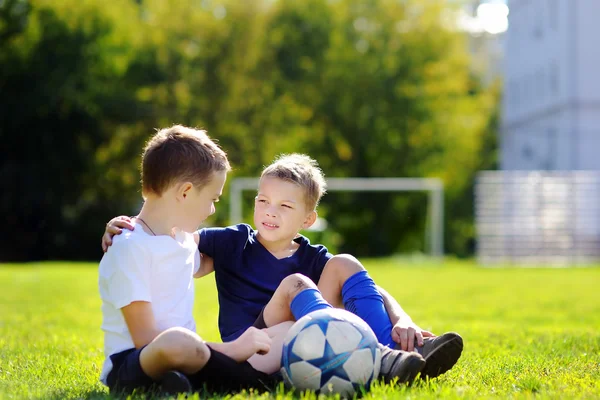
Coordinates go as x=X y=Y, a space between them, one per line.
x=115 y=227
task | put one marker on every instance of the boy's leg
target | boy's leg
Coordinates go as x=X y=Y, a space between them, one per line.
x=174 y=349
x=346 y=284
x=295 y=297
x=224 y=375
x=271 y=362
x=180 y=350
x=162 y=363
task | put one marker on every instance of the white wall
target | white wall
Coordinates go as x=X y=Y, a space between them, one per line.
x=551 y=104
x=543 y=143
x=587 y=66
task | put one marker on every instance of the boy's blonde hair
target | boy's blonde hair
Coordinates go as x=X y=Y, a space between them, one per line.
x=301 y=170
x=180 y=154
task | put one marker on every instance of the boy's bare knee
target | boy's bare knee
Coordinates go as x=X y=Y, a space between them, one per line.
x=178 y=347
x=296 y=283
x=347 y=260
x=345 y=263
x=341 y=267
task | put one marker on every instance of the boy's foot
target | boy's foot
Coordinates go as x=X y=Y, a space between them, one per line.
x=174 y=382
x=399 y=364
x=440 y=353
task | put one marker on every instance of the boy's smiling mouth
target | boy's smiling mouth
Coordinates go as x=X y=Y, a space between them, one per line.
x=270 y=226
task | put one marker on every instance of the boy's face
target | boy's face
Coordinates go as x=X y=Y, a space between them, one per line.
x=280 y=210
x=199 y=204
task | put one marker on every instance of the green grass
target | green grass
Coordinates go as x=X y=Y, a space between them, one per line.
x=528 y=332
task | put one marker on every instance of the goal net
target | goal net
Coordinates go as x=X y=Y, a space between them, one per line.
x=433 y=186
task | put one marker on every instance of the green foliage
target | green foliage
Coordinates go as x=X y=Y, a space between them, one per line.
x=61 y=99
x=528 y=332
x=368 y=88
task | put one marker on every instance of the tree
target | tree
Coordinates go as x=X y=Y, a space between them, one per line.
x=378 y=88
x=368 y=88
x=60 y=102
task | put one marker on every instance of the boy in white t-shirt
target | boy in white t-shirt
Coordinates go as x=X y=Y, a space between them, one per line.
x=146 y=281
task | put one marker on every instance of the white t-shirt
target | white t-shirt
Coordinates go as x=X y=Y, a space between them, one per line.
x=142 y=267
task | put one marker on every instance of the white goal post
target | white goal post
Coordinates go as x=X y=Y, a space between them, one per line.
x=433 y=186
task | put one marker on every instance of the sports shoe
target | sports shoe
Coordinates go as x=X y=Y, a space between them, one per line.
x=174 y=382
x=399 y=364
x=440 y=353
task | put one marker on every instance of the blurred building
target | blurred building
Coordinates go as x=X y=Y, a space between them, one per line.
x=543 y=208
x=551 y=106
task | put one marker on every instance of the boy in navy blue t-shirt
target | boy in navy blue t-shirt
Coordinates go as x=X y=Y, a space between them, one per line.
x=250 y=264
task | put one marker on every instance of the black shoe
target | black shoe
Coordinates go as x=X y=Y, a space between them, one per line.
x=440 y=353
x=174 y=382
x=399 y=364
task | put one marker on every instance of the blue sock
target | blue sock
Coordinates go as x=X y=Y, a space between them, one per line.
x=361 y=297
x=307 y=301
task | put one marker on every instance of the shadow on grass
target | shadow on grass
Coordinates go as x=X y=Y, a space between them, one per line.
x=378 y=389
x=62 y=394
x=103 y=395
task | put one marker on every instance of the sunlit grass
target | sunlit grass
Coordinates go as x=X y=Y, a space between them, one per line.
x=528 y=332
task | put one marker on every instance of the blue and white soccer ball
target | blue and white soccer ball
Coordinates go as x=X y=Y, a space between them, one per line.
x=330 y=351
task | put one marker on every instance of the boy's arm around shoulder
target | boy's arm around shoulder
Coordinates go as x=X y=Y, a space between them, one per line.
x=207 y=266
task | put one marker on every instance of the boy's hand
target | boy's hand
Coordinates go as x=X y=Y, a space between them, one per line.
x=113 y=227
x=257 y=339
x=251 y=342
x=409 y=335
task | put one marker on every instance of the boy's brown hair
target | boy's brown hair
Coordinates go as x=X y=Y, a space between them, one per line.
x=301 y=170
x=180 y=154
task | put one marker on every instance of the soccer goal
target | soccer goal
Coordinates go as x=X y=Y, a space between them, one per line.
x=433 y=186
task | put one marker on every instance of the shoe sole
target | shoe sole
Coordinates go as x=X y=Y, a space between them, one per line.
x=411 y=368
x=443 y=358
x=174 y=382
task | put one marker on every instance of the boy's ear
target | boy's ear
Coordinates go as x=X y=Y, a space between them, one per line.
x=184 y=190
x=309 y=220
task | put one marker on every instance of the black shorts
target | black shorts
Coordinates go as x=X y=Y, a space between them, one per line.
x=126 y=374
x=221 y=374
x=260 y=320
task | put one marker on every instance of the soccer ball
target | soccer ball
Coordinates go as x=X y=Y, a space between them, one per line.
x=330 y=351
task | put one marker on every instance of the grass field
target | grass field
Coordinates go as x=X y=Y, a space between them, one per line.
x=528 y=332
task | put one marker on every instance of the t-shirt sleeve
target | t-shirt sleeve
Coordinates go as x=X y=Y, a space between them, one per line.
x=221 y=243
x=125 y=271
x=313 y=261
x=322 y=256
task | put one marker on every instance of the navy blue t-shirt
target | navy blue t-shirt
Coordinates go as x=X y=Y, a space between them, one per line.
x=247 y=274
